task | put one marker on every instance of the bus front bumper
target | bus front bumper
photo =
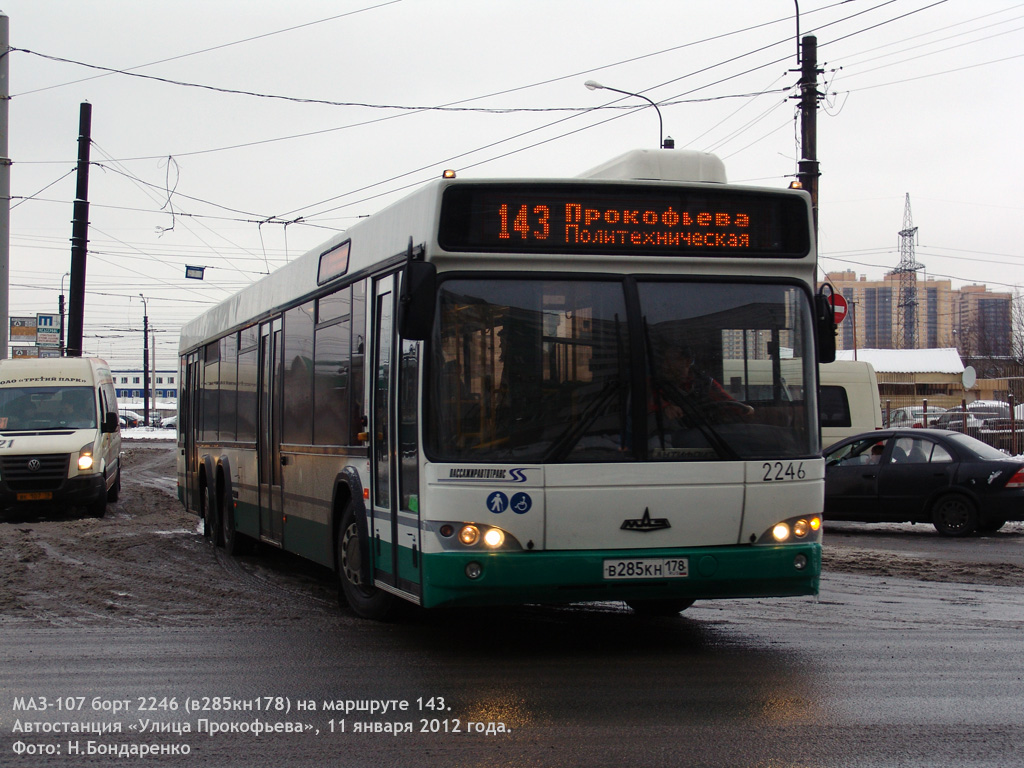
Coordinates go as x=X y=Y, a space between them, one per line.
x=507 y=578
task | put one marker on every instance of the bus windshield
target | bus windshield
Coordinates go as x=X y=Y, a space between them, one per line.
x=38 y=408
x=567 y=371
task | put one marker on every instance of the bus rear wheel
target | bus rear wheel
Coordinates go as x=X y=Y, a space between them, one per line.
x=654 y=608
x=365 y=600
x=208 y=512
x=235 y=543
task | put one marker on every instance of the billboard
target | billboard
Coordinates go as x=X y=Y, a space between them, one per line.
x=23 y=330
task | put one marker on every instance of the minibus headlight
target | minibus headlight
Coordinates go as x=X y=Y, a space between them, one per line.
x=780 y=532
x=85 y=460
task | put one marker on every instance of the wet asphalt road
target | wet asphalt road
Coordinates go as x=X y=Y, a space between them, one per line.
x=874 y=672
x=879 y=670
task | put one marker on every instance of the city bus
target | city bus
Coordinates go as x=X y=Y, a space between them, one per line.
x=509 y=391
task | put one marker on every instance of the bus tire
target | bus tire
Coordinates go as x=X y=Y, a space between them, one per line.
x=654 y=608
x=235 y=543
x=208 y=510
x=363 y=600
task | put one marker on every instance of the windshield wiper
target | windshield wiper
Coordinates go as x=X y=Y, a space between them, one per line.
x=695 y=415
x=561 y=447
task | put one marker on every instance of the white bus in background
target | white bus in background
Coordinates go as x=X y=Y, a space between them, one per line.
x=466 y=398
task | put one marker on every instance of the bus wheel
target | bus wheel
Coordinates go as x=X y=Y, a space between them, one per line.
x=954 y=515
x=235 y=543
x=659 y=607
x=208 y=512
x=364 y=600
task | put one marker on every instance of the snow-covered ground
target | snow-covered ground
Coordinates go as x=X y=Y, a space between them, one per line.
x=149 y=433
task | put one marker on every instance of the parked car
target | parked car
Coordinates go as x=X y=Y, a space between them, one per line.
x=978 y=416
x=951 y=480
x=131 y=418
x=914 y=416
x=171 y=422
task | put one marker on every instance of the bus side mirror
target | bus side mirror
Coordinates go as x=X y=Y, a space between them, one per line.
x=110 y=423
x=826 y=321
x=416 y=303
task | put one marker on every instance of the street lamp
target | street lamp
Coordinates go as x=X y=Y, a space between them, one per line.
x=593 y=85
x=145 y=361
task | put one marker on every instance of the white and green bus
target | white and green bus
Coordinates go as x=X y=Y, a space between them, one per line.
x=532 y=390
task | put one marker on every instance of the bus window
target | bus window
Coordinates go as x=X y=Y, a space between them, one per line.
x=531 y=369
x=298 y=375
x=331 y=384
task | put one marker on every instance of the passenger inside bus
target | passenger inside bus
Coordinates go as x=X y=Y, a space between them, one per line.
x=681 y=385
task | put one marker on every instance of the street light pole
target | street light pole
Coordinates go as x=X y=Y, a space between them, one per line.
x=61 y=308
x=593 y=85
x=145 y=360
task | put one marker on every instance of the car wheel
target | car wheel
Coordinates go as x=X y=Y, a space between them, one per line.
x=364 y=600
x=991 y=525
x=954 y=515
x=115 y=489
x=653 y=608
x=98 y=508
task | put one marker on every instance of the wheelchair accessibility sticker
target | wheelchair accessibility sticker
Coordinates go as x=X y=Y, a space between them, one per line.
x=520 y=503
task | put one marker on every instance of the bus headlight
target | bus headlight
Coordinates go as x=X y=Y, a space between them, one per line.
x=463 y=536
x=794 y=530
x=469 y=535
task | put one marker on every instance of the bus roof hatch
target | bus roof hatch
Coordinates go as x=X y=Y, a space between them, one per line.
x=661 y=165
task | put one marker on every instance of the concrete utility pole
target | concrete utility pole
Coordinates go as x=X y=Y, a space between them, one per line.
x=807 y=169
x=80 y=235
x=5 y=188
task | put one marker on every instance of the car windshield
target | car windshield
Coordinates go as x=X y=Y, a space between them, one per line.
x=42 y=408
x=557 y=371
x=976 y=448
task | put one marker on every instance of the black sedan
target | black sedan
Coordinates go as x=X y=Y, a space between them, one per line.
x=953 y=481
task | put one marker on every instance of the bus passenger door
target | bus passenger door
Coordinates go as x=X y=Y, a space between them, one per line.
x=394 y=510
x=269 y=433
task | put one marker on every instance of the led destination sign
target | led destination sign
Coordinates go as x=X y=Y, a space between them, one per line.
x=613 y=219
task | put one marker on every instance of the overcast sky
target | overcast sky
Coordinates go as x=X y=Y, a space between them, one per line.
x=923 y=98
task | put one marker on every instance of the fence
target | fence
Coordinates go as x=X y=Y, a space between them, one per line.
x=998 y=422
